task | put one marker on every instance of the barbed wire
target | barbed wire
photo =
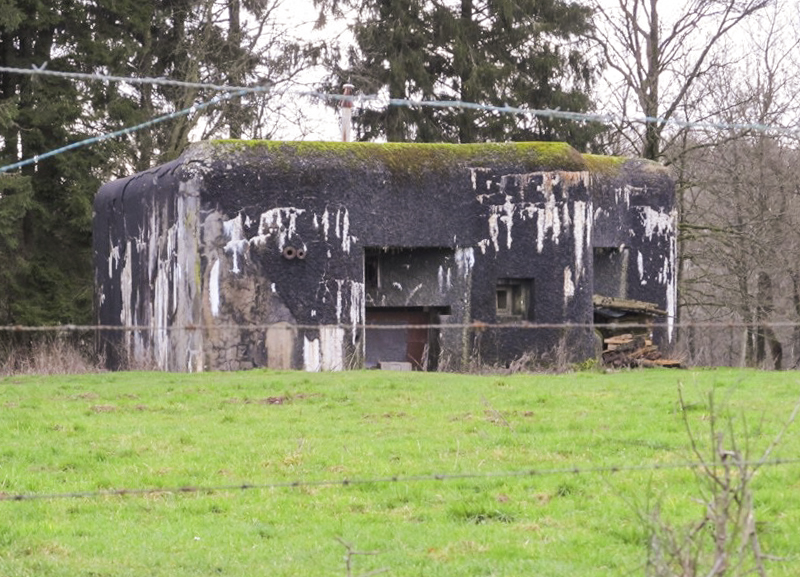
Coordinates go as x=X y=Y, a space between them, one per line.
x=234 y=91
x=122 y=132
x=553 y=113
x=533 y=472
x=477 y=326
x=149 y=80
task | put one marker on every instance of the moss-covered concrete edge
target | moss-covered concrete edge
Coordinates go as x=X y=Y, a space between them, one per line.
x=605 y=165
x=397 y=157
x=624 y=166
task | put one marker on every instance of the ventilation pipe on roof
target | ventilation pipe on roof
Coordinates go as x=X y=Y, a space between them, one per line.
x=347 y=112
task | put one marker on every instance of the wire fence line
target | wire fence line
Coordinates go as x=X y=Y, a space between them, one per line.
x=477 y=326
x=380 y=100
x=553 y=113
x=149 y=80
x=342 y=483
x=122 y=132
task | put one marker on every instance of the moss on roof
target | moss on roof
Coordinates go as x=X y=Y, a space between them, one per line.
x=407 y=158
x=606 y=165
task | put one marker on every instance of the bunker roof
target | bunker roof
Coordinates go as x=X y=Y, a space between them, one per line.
x=405 y=157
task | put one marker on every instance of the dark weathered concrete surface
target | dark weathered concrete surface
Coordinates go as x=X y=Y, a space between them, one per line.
x=235 y=236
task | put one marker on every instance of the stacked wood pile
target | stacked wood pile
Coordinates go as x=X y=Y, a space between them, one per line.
x=629 y=350
x=625 y=326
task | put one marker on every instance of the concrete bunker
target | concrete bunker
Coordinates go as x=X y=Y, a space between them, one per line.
x=327 y=256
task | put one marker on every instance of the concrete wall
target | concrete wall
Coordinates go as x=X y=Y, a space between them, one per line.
x=259 y=249
x=635 y=210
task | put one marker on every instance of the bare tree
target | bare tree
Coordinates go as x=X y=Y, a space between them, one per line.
x=741 y=219
x=659 y=58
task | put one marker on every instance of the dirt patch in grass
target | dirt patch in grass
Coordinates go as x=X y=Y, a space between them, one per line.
x=276 y=400
x=103 y=408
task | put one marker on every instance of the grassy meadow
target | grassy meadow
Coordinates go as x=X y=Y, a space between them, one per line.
x=140 y=430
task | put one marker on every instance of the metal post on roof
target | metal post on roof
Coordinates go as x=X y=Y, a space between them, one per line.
x=347 y=112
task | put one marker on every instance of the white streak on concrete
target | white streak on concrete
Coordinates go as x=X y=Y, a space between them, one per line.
x=356 y=306
x=326 y=225
x=552 y=221
x=440 y=278
x=113 y=259
x=474 y=177
x=508 y=219
x=665 y=273
x=566 y=221
x=589 y=227
x=552 y=217
x=672 y=285
x=640 y=266
x=339 y=284
x=177 y=280
x=312 y=356
x=547 y=215
x=656 y=222
x=465 y=260
x=494 y=231
x=213 y=289
x=237 y=243
x=126 y=288
x=579 y=231
x=397 y=285
x=569 y=286
x=281 y=222
x=160 y=319
x=346 y=231
x=623 y=195
x=153 y=248
x=540 y=230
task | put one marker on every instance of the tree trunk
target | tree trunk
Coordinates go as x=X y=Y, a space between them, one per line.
x=652 y=135
x=235 y=42
x=464 y=68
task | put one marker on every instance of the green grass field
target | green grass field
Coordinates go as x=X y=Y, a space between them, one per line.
x=158 y=430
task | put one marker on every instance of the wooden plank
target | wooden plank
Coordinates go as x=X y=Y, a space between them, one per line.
x=663 y=363
x=619 y=339
x=628 y=305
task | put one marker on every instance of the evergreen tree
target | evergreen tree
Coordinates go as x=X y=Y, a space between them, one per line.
x=522 y=53
x=46 y=208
